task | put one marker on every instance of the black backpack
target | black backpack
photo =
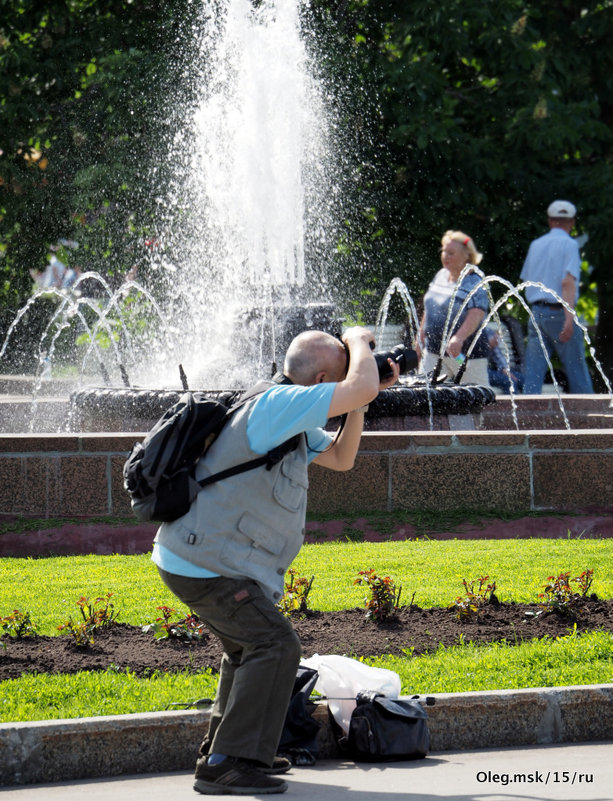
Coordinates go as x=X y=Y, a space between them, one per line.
x=159 y=473
x=298 y=741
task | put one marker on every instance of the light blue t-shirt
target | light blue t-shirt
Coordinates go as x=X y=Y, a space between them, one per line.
x=280 y=413
x=550 y=258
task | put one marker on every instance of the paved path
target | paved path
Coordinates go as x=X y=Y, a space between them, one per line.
x=573 y=772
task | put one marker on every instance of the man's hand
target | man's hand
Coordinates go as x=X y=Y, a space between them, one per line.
x=385 y=383
x=357 y=333
x=351 y=395
x=454 y=346
x=361 y=383
x=569 y=292
x=567 y=329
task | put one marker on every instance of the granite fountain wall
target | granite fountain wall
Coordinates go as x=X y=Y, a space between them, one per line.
x=474 y=463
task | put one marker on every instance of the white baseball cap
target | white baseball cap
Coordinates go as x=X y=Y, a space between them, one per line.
x=561 y=209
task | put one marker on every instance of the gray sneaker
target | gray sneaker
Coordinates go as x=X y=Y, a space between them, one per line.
x=234 y=776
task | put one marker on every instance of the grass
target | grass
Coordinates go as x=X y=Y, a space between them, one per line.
x=573 y=659
x=432 y=569
x=93 y=693
x=426 y=523
x=21 y=524
x=49 y=588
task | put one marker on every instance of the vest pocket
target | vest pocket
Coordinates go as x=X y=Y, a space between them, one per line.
x=260 y=535
x=291 y=484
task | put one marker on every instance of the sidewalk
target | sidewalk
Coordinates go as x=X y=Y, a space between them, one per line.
x=573 y=772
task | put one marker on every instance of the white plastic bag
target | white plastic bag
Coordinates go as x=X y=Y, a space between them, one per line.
x=342 y=678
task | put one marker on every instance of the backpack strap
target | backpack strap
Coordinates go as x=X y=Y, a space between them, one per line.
x=269 y=459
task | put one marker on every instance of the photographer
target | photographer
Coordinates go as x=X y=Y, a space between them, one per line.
x=227 y=557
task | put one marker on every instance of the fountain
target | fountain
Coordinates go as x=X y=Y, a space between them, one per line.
x=242 y=259
x=242 y=263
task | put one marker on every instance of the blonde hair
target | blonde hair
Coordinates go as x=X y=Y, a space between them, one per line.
x=474 y=257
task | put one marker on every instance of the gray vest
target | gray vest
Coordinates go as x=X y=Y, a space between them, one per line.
x=250 y=525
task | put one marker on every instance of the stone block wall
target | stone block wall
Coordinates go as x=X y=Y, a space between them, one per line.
x=73 y=475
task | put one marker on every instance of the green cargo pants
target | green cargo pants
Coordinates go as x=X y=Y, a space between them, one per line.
x=258 y=669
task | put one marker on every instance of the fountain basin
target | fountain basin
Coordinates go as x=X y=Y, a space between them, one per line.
x=133 y=409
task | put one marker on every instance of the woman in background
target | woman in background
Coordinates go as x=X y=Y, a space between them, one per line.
x=457 y=251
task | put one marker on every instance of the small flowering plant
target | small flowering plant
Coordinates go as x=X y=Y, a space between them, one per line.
x=101 y=614
x=187 y=628
x=559 y=596
x=478 y=593
x=383 y=600
x=295 y=597
x=18 y=625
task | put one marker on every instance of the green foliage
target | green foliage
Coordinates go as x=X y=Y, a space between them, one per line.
x=476 y=595
x=295 y=596
x=19 y=625
x=96 y=616
x=23 y=524
x=434 y=569
x=87 y=94
x=188 y=628
x=483 y=113
x=564 y=661
x=455 y=114
x=383 y=600
x=571 y=660
x=559 y=596
x=48 y=696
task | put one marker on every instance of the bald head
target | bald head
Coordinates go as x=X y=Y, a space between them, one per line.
x=314 y=357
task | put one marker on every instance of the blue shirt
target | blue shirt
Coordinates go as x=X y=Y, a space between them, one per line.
x=280 y=413
x=550 y=258
x=436 y=306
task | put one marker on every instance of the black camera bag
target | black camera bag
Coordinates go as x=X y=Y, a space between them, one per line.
x=384 y=729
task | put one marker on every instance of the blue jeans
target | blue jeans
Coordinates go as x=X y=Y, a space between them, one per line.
x=502 y=381
x=571 y=354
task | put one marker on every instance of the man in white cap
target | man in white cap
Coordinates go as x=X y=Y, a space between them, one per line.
x=553 y=261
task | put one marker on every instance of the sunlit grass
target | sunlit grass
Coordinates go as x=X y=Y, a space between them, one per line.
x=433 y=570
x=430 y=572
x=47 y=696
x=571 y=660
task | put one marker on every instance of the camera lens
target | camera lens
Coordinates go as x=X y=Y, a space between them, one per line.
x=405 y=358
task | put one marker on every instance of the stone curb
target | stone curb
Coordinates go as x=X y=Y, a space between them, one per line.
x=62 y=750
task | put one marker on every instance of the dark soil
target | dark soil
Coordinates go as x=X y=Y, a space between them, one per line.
x=347 y=632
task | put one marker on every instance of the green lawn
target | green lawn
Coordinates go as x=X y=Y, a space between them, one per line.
x=432 y=570
x=569 y=660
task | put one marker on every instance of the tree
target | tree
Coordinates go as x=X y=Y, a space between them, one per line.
x=458 y=114
x=485 y=113
x=86 y=88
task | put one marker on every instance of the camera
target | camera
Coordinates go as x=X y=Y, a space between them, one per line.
x=405 y=357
